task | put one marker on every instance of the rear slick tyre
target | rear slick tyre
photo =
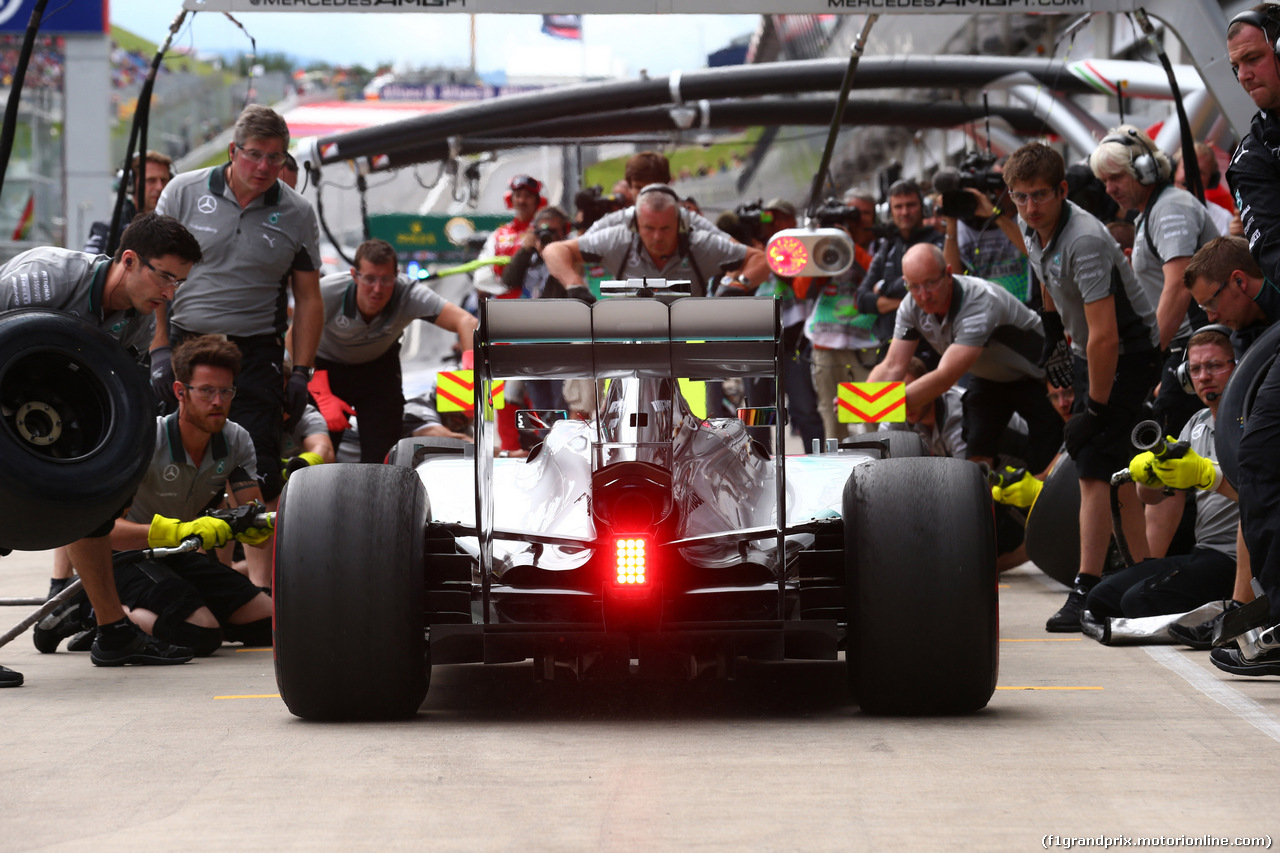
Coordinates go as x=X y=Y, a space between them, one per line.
x=349 y=627
x=77 y=428
x=920 y=562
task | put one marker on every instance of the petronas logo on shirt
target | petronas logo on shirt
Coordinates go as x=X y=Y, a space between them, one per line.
x=273 y=218
x=221 y=465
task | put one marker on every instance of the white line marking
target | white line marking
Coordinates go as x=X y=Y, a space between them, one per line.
x=1225 y=695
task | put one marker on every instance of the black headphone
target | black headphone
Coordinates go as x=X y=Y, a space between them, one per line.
x=681 y=214
x=1266 y=21
x=1146 y=167
x=1183 y=373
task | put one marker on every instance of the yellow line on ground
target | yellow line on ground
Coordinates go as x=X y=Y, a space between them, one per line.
x=1002 y=586
x=262 y=649
x=1048 y=688
x=1044 y=640
x=252 y=696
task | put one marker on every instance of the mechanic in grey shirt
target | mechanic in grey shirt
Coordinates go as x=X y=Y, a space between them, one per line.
x=1090 y=293
x=258 y=235
x=1172 y=226
x=1183 y=582
x=358 y=360
x=118 y=295
x=191 y=598
x=981 y=329
x=658 y=243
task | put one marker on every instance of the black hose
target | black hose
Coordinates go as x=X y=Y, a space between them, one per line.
x=10 y=129
x=1117 y=525
x=820 y=176
x=314 y=173
x=1190 y=162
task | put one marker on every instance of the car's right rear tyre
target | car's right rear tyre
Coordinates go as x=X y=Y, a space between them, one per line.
x=920 y=569
x=903 y=443
x=350 y=630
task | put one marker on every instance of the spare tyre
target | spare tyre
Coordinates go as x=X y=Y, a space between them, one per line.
x=77 y=428
x=1053 y=523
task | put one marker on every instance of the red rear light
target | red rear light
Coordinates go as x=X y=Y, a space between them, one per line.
x=631 y=562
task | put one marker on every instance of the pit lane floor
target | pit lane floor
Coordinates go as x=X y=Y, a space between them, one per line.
x=1081 y=740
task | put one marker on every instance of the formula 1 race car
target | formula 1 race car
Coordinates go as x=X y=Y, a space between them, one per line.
x=647 y=535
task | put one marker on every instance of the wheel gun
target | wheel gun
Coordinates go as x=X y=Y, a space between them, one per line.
x=1148 y=436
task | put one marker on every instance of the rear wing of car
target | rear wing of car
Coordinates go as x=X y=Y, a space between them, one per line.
x=694 y=338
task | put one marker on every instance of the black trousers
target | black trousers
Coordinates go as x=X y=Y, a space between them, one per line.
x=375 y=390
x=988 y=405
x=259 y=402
x=1168 y=585
x=1259 y=487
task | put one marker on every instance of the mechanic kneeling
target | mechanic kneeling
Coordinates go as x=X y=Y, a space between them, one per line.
x=191 y=599
x=1183 y=582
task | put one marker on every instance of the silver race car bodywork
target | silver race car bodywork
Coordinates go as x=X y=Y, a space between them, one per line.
x=646 y=535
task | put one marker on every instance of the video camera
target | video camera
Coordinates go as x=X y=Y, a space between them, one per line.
x=593 y=205
x=754 y=213
x=834 y=213
x=546 y=235
x=974 y=172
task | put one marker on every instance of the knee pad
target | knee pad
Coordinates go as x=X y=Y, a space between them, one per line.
x=203 y=641
x=251 y=634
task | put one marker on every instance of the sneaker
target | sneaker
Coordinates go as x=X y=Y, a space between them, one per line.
x=9 y=678
x=1200 y=637
x=71 y=618
x=141 y=650
x=1234 y=662
x=1246 y=617
x=83 y=642
x=1067 y=619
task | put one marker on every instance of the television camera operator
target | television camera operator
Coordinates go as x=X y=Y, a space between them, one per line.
x=982 y=236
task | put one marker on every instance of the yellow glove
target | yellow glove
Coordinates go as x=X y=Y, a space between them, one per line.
x=1141 y=470
x=169 y=532
x=302 y=460
x=1020 y=494
x=1191 y=470
x=254 y=535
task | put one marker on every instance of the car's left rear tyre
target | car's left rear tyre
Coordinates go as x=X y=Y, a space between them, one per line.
x=920 y=568
x=350 y=638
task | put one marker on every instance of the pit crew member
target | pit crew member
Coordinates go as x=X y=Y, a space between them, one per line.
x=981 y=329
x=260 y=238
x=358 y=360
x=658 y=243
x=191 y=599
x=159 y=173
x=1113 y=358
x=117 y=295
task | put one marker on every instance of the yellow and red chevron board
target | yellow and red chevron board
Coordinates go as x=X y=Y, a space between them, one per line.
x=871 y=402
x=455 y=391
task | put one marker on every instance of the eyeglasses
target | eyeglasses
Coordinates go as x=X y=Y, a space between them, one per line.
x=1210 y=368
x=371 y=280
x=1211 y=304
x=253 y=155
x=1037 y=197
x=930 y=286
x=168 y=277
x=207 y=393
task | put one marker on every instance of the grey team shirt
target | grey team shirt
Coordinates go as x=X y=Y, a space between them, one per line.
x=239 y=287
x=1083 y=264
x=71 y=282
x=712 y=250
x=1216 y=514
x=176 y=487
x=347 y=338
x=984 y=315
x=1179 y=226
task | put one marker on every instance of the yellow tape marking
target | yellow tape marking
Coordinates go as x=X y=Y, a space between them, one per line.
x=1048 y=688
x=1046 y=640
x=252 y=696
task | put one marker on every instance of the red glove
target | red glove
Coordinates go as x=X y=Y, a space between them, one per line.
x=468 y=359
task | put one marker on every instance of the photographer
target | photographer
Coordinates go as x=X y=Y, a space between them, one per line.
x=982 y=228
x=882 y=289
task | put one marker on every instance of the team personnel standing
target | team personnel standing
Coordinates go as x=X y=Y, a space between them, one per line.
x=978 y=328
x=192 y=599
x=257 y=234
x=524 y=198
x=1254 y=175
x=359 y=355
x=658 y=244
x=882 y=289
x=117 y=295
x=1114 y=357
x=1172 y=225
x=159 y=171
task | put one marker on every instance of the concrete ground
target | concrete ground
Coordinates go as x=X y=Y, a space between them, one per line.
x=1080 y=740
